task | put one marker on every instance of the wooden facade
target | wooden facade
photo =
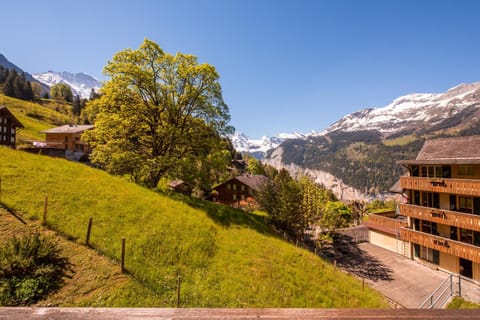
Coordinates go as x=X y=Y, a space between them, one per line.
x=239 y=190
x=442 y=204
x=68 y=138
x=8 y=128
x=442 y=185
x=385 y=224
x=441 y=216
x=452 y=247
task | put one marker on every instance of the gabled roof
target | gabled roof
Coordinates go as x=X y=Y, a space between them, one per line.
x=253 y=181
x=14 y=120
x=458 y=150
x=69 y=128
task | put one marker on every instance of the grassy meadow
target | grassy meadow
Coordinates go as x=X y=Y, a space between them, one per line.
x=36 y=117
x=225 y=257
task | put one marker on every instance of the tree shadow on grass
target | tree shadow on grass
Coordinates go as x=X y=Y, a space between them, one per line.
x=228 y=217
x=351 y=258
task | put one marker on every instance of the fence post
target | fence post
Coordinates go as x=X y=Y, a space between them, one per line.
x=89 y=228
x=178 y=291
x=459 y=285
x=123 y=256
x=363 y=284
x=45 y=209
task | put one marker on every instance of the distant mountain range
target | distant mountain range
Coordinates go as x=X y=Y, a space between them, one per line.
x=259 y=147
x=81 y=83
x=356 y=156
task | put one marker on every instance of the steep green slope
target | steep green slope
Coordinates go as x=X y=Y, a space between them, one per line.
x=36 y=117
x=93 y=279
x=225 y=257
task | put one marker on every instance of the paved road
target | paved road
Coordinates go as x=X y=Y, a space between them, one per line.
x=404 y=281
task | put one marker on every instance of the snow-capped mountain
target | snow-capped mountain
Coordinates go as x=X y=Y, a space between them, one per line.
x=406 y=113
x=81 y=83
x=356 y=157
x=413 y=110
x=258 y=147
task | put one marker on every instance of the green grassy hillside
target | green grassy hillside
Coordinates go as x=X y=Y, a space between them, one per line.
x=93 y=279
x=36 y=117
x=225 y=257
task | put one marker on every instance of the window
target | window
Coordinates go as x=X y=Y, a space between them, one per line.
x=229 y=187
x=430 y=255
x=466 y=171
x=234 y=187
x=234 y=197
x=435 y=172
x=242 y=187
x=429 y=227
x=431 y=199
x=424 y=171
x=465 y=204
x=416 y=197
x=414 y=171
x=466 y=236
x=446 y=172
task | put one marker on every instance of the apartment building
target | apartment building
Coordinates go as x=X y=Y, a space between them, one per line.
x=441 y=205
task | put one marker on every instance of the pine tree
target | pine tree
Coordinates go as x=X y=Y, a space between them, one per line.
x=76 y=105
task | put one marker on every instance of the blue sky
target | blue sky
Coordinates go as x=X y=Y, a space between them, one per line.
x=285 y=65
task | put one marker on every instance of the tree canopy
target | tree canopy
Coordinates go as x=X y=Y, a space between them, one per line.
x=61 y=91
x=157 y=112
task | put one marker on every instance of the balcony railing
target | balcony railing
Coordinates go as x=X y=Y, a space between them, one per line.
x=385 y=224
x=469 y=187
x=451 y=218
x=456 y=248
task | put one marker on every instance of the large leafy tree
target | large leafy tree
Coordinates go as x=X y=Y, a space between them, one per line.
x=156 y=111
x=61 y=91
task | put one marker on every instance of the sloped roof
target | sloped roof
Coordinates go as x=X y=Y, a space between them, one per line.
x=69 y=128
x=254 y=181
x=396 y=188
x=14 y=120
x=458 y=150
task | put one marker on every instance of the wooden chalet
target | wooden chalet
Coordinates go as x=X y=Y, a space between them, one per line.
x=8 y=127
x=239 y=191
x=64 y=141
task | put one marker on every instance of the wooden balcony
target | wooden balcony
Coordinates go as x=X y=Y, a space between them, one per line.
x=468 y=187
x=385 y=224
x=456 y=248
x=451 y=218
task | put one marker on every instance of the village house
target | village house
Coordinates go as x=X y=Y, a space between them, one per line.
x=239 y=191
x=8 y=127
x=68 y=138
x=439 y=220
x=180 y=186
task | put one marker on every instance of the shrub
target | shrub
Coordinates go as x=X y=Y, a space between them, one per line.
x=30 y=268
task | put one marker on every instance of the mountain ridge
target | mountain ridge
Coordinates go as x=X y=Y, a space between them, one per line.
x=356 y=156
x=81 y=83
x=10 y=65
